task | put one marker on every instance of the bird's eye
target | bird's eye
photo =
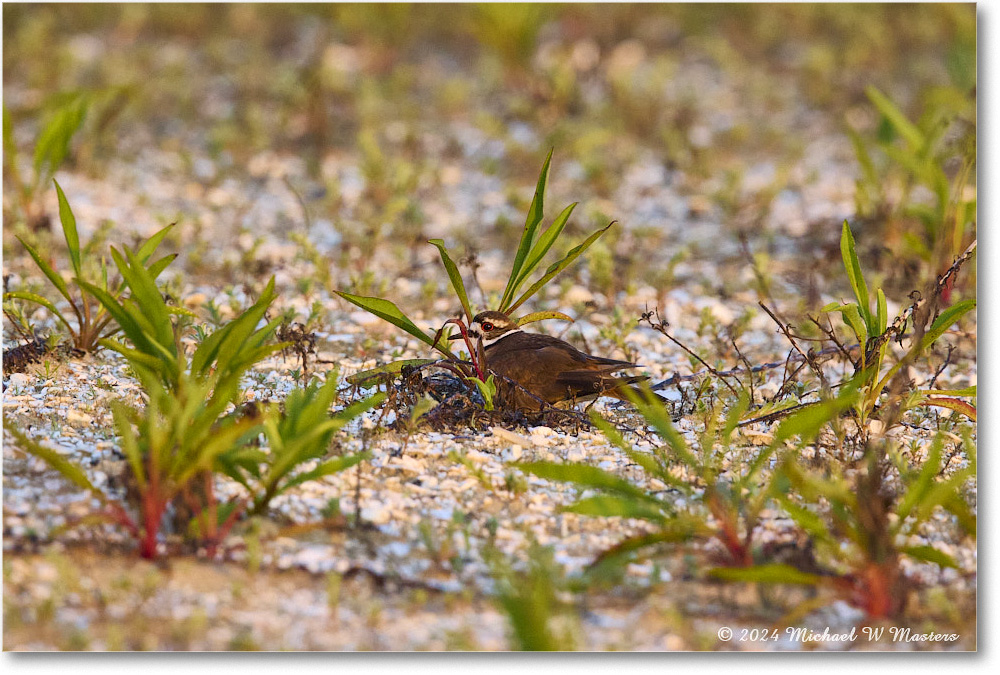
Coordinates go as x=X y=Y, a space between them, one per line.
x=487 y=326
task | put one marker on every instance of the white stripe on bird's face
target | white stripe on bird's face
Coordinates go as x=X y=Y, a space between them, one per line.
x=488 y=341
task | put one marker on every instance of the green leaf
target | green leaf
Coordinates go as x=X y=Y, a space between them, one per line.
x=864 y=159
x=157 y=267
x=557 y=267
x=130 y=325
x=585 y=476
x=55 y=278
x=54 y=139
x=455 y=276
x=527 y=236
x=853 y=267
x=150 y=245
x=148 y=297
x=68 y=221
x=956 y=404
x=384 y=309
x=9 y=146
x=130 y=448
x=656 y=414
x=615 y=506
x=367 y=378
x=913 y=136
x=766 y=574
x=543 y=245
x=918 y=490
x=968 y=391
x=64 y=466
x=931 y=555
x=487 y=390
x=807 y=422
x=945 y=321
x=37 y=299
x=327 y=468
x=677 y=530
x=883 y=312
x=542 y=316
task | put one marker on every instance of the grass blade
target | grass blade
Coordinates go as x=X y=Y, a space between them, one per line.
x=150 y=245
x=766 y=574
x=945 y=321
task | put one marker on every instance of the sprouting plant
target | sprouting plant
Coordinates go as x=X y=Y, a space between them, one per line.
x=531 y=251
x=860 y=526
x=487 y=389
x=173 y=444
x=300 y=436
x=91 y=320
x=530 y=600
x=873 y=333
x=724 y=498
x=905 y=157
x=51 y=149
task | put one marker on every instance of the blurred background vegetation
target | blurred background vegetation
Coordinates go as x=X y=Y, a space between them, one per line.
x=730 y=102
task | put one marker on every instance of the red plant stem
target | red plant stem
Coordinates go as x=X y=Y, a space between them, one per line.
x=473 y=353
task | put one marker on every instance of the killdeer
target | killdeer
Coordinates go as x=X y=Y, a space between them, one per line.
x=552 y=370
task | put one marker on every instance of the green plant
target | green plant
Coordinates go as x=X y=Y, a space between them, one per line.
x=721 y=503
x=51 y=149
x=873 y=333
x=530 y=600
x=905 y=156
x=173 y=444
x=299 y=436
x=93 y=321
x=531 y=250
x=857 y=522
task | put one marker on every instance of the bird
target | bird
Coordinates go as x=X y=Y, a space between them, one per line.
x=546 y=369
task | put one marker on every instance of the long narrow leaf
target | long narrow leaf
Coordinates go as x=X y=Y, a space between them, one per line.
x=945 y=321
x=65 y=467
x=37 y=299
x=616 y=506
x=68 y=221
x=586 y=476
x=557 y=267
x=542 y=246
x=385 y=309
x=853 y=267
x=542 y=316
x=369 y=377
x=766 y=574
x=913 y=136
x=535 y=214
x=47 y=270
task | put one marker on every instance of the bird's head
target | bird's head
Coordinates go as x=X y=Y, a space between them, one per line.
x=490 y=327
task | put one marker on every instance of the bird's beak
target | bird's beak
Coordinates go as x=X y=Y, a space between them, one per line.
x=455 y=337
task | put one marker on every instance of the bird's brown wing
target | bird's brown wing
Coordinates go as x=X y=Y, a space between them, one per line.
x=568 y=373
